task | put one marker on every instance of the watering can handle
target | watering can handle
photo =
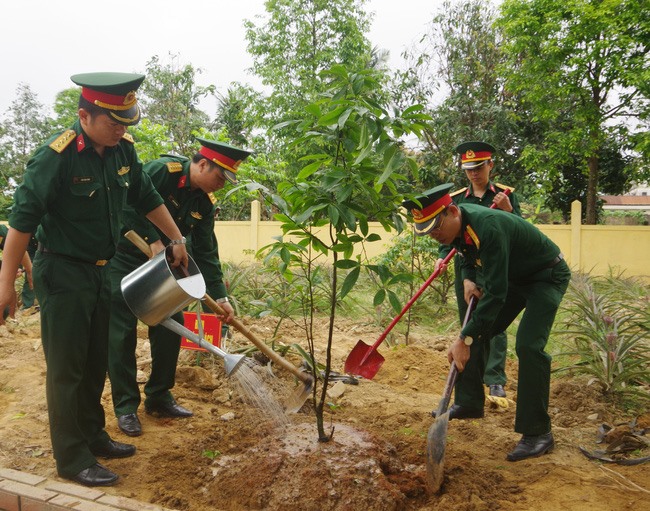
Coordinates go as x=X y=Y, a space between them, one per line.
x=137 y=240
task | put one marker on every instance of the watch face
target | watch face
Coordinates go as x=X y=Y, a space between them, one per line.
x=468 y=340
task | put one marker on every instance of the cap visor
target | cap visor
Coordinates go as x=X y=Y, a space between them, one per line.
x=230 y=176
x=129 y=117
x=472 y=164
x=424 y=228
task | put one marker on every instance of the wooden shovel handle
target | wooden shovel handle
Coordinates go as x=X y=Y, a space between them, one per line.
x=272 y=355
x=137 y=240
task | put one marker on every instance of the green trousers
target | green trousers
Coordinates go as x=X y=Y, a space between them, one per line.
x=122 y=367
x=75 y=307
x=539 y=297
x=495 y=356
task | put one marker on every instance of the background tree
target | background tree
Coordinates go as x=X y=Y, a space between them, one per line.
x=578 y=66
x=66 y=108
x=236 y=113
x=454 y=70
x=292 y=44
x=170 y=97
x=25 y=127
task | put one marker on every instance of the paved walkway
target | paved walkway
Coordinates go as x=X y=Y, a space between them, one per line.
x=20 y=491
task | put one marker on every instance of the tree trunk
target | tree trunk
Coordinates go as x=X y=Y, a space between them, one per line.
x=591 y=216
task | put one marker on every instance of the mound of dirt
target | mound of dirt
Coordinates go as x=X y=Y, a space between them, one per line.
x=240 y=452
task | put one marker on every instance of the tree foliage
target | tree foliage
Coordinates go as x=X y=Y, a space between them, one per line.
x=578 y=66
x=170 y=97
x=25 y=127
x=454 y=69
x=349 y=176
x=293 y=43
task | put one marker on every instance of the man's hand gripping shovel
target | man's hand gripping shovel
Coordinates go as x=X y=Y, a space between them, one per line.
x=365 y=360
x=437 y=436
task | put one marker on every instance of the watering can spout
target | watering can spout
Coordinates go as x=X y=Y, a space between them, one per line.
x=232 y=362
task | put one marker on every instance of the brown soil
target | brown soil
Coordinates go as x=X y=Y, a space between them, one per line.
x=234 y=455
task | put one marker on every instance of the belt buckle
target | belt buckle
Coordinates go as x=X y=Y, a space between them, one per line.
x=101 y=262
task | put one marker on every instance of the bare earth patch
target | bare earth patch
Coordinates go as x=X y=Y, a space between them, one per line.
x=234 y=455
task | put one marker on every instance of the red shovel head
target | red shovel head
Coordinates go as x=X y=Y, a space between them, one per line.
x=364 y=361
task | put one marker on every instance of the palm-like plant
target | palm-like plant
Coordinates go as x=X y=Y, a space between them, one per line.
x=607 y=320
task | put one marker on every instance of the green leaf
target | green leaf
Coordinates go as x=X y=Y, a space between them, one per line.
x=379 y=298
x=346 y=264
x=349 y=282
x=309 y=170
x=331 y=117
x=394 y=301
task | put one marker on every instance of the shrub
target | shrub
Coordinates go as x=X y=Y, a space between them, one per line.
x=606 y=332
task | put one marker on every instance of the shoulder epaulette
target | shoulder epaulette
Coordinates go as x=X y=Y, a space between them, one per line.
x=174 y=166
x=462 y=190
x=177 y=156
x=504 y=187
x=128 y=137
x=63 y=140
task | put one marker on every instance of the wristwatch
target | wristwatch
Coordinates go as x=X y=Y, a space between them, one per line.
x=182 y=241
x=222 y=300
x=466 y=339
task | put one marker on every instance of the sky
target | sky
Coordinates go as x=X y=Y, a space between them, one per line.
x=44 y=42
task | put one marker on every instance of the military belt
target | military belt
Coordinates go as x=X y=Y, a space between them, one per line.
x=555 y=261
x=98 y=262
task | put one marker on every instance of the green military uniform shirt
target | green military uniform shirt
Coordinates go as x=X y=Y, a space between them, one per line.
x=4 y=230
x=192 y=211
x=466 y=196
x=507 y=249
x=70 y=193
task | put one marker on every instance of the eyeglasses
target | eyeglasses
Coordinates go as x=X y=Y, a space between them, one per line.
x=437 y=222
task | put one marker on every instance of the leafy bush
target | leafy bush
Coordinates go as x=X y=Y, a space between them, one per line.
x=417 y=257
x=606 y=326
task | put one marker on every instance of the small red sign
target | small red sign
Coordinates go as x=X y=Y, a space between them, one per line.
x=211 y=330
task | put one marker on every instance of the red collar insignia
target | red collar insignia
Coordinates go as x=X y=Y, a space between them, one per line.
x=81 y=143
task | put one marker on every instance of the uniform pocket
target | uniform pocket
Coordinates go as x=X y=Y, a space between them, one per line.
x=84 y=189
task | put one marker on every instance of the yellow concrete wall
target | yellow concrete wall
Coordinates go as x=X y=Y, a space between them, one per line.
x=588 y=248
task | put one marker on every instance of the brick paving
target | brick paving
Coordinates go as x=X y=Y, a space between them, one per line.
x=20 y=491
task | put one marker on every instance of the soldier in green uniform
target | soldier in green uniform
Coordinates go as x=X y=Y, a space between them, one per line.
x=26 y=265
x=73 y=195
x=27 y=295
x=522 y=270
x=476 y=160
x=186 y=187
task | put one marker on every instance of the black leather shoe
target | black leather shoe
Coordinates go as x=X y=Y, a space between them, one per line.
x=497 y=391
x=114 y=449
x=532 y=446
x=463 y=412
x=96 y=475
x=168 y=409
x=129 y=424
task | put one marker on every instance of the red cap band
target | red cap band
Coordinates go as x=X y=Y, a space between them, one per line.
x=110 y=101
x=426 y=214
x=475 y=156
x=219 y=158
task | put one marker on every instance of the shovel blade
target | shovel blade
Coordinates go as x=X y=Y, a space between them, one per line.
x=436 y=444
x=298 y=397
x=364 y=361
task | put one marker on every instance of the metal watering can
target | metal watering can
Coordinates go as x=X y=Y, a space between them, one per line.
x=155 y=291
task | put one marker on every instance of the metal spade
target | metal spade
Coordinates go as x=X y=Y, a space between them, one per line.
x=437 y=435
